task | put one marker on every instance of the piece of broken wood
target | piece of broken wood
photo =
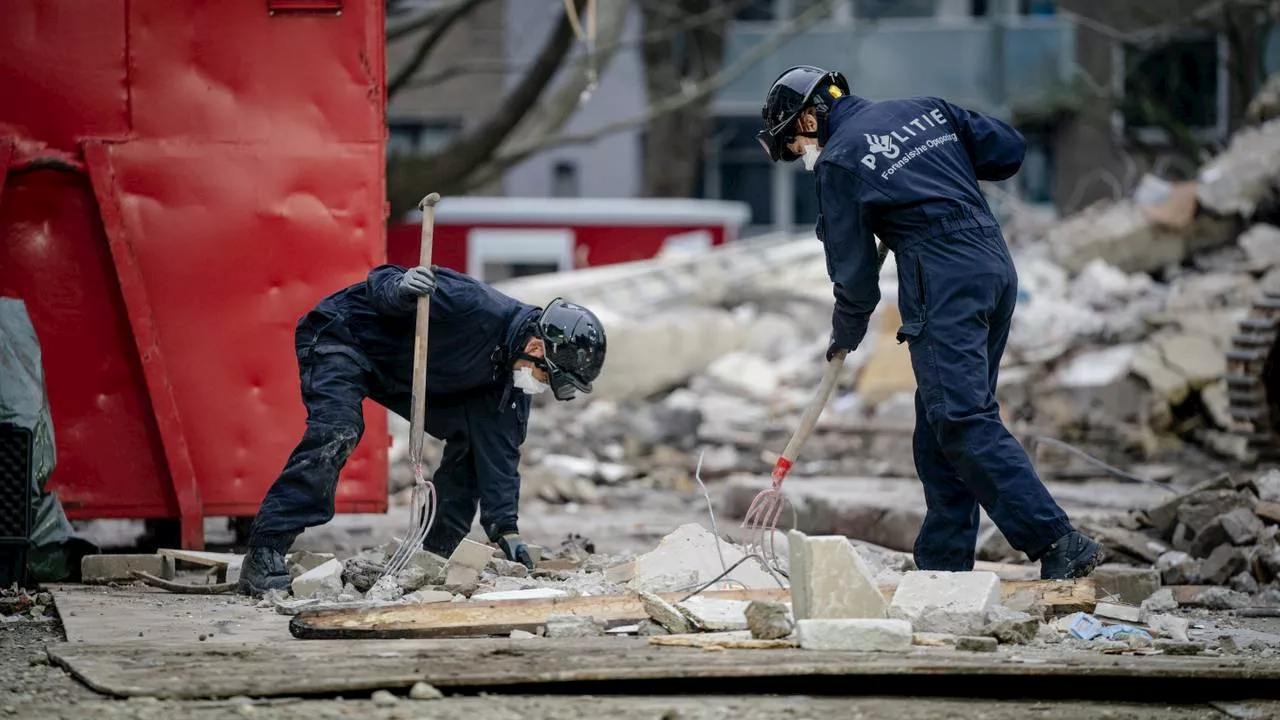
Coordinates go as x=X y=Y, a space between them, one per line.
x=722 y=641
x=500 y=617
x=185 y=588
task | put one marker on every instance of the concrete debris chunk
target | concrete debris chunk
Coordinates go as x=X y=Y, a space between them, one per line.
x=1198 y=511
x=1178 y=568
x=1261 y=243
x=425 y=597
x=362 y=571
x=1170 y=626
x=322 y=582
x=1175 y=647
x=715 y=614
x=1223 y=564
x=769 y=620
x=691 y=549
x=1268 y=485
x=384 y=698
x=467 y=562
x=1242 y=527
x=1011 y=626
x=829 y=579
x=976 y=643
x=119 y=567
x=507 y=568
x=665 y=614
x=538 y=593
x=948 y=602
x=1219 y=598
x=424 y=691
x=854 y=634
x=432 y=564
x=573 y=626
x=1237 y=180
x=1126 y=584
x=411 y=578
x=1117 y=611
x=1160 y=601
x=1244 y=582
x=304 y=560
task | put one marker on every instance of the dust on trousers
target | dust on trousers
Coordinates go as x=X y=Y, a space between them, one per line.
x=358 y=343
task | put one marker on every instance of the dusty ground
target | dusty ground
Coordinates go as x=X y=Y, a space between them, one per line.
x=30 y=688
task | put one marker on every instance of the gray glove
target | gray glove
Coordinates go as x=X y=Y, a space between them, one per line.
x=417 y=282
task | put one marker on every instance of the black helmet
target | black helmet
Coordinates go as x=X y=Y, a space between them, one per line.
x=573 y=347
x=793 y=91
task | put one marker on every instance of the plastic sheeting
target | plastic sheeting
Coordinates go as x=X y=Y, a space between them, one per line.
x=23 y=402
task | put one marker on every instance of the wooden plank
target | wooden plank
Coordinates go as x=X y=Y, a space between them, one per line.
x=203 y=558
x=500 y=617
x=124 y=616
x=722 y=641
x=331 y=667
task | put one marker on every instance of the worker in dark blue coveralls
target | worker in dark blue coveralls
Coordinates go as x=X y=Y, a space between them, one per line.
x=487 y=355
x=907 y=171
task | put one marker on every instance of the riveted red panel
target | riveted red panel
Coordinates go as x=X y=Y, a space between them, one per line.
x=234 y=244
x=232 y=71
x=54 y=257
x=62 y=72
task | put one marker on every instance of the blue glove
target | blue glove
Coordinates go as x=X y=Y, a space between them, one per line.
x=417 y=282
x=515 y=549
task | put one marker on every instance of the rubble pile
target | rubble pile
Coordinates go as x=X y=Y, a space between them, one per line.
x=19 y=605
x=1223 y=532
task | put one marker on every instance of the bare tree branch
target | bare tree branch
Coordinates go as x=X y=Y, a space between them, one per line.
x=463 y=69
x=448 y=19
x=424 y=18
x=700 y=92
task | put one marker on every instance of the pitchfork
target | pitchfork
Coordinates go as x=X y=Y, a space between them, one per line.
x=762 y=516
x=423 y=498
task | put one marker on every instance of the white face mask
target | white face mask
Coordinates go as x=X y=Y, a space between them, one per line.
x=810 y=157
x=525 y=380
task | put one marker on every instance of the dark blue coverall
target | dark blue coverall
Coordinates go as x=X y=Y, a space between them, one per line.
x=358 y=343
x=908 y=170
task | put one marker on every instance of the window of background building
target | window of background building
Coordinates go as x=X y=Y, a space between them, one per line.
x=756 y=10
x=564 y=179
x=880 y=9
x=1179 y=78
x=743 y=169
x=420 y=136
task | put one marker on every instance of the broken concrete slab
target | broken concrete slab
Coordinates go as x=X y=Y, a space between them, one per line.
x=304 y=560
x=1223 y=564
x=665 y=614
x=1118 y=611
x=1200 y=509
x=1261 y=243
x=432 y=564
x=1120 y=233
x=1241 y=526
x=976 y=643
x=362 y=571
x=107 y=568
x=507 y=568
x=1178 y=568
x=322 y=582
x=691 y=549
x=854 y=634
x=829 y=579
x=466 y=562
x=715 y=614
x=573 y=626
x=1126 y=584
x=1011 y=626
x=769 y=620
x=1239 y=179
x=948 y=602
x=1170 y=626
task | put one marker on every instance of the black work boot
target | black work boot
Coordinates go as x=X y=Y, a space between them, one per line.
x=263 y=569
x=1072 y=556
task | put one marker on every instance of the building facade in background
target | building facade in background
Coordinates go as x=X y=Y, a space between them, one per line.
x=1066 y=72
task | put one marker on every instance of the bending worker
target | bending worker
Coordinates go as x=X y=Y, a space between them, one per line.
x=487 y=354
x=907 y=171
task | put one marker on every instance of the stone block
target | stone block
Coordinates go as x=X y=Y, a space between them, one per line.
x=976 y=643
x=831 y=580
x=467 y=562
x=1200 y=509
x=1241 y=526
x=665 y=614
x=324 y=581
x=1178 y=568
x=573 y=626
x=1126 y=584
x=854 y=634
x=947 y=602
x=1011 y=626
x=769 y=620
x=1117 y=611
x=1160 y=601
x=119 y=568
x=1223 y=564
x=715 y=614
x=432 y=564
x=304 y=560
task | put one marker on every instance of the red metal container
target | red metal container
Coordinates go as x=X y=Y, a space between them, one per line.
x=494 y=238
x=179 y=182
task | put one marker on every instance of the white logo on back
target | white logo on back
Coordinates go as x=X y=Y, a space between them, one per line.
x=882 y=144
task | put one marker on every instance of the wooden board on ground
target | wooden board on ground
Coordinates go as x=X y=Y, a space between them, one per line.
x=331 y=666
x=500 y=617
x=203 y=558
x=737 y=640
x=103 y=615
